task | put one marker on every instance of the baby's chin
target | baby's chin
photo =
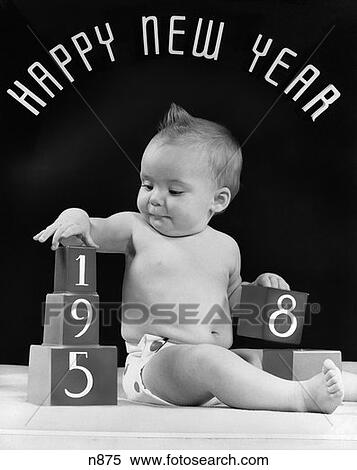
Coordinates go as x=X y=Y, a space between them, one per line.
x=161 y=227
x=165 y=226
x=168 y=230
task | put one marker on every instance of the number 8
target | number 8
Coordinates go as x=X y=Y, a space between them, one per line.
x=283 y=311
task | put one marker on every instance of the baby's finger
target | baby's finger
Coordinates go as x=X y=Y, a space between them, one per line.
x=37 y=236
x=89 y=240
x=47 y=232
x=274 y=282
x=67 y=232
x=264 y=281
x=283 y=284
x=57 y=235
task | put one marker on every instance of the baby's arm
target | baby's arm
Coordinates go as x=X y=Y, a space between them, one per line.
x=235 y=281
x=74 y=226
x=113 y=233
x=234 y=296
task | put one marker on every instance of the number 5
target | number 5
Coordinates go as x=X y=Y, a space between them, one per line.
x=73 y=365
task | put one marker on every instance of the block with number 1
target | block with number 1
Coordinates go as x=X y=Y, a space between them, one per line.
x=75 y=269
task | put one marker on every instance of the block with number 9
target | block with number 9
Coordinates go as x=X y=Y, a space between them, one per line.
x=71 y=319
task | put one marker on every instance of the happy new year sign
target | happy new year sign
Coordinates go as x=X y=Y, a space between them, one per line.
x=45 y=85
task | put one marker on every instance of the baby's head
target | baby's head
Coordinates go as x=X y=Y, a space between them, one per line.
x=190 y=171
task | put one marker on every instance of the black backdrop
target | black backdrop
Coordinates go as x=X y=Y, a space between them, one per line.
x=294 y=213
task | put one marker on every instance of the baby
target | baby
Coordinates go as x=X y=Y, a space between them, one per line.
x=179 y=271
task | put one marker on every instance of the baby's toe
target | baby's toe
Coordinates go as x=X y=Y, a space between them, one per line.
x=331 y=374
x=330 y=371
x=339 y=393
x=328 y=366
x=336 y=387
x=332 y=381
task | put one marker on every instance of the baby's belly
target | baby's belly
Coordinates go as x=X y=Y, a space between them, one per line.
x=187 y=312
x=180 y=334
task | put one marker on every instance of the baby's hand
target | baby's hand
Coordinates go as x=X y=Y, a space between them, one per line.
x=271 y=280
x=71 y=222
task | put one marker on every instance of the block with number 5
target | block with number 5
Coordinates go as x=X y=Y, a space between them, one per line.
x=73 y=376
x=271 y=314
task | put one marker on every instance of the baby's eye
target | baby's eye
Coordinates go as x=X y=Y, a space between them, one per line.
x=175 y=192
x=147 y=186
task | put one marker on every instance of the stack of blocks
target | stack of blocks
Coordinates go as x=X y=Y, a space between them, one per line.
x=278 y=315
x=70 y=367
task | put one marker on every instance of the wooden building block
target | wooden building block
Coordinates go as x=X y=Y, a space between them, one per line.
x=297 y=364
x=85 y=375
x=75 y=269
x=271 y=314
x=71 y=319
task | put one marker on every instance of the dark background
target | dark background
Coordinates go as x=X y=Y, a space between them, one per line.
x=294 y=214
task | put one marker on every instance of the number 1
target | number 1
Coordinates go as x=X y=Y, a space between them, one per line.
x=82 y=269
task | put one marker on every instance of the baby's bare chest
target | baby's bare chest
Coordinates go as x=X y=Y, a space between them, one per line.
x=176 y=260
x=185 y=260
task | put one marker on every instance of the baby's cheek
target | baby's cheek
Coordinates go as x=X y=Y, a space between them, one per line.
x=141 y=201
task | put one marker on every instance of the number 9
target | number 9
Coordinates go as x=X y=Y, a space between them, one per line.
x=76 y=317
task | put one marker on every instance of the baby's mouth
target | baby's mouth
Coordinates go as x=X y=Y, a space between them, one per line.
x=158 y=215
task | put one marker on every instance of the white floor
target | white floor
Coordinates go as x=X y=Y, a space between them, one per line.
x=132 y=426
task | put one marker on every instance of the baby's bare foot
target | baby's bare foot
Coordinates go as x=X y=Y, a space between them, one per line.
x=323 y=393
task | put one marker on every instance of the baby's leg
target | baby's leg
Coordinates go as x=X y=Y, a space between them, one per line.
x=349 y=379
x=192 y=374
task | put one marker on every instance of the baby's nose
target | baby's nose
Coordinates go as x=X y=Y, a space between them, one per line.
x=156 y=199
x=155 y=203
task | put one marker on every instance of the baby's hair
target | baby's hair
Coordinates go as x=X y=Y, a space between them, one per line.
x=214 y=140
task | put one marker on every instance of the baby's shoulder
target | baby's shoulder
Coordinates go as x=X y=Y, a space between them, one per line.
x=142 y=231
x=228 y=250
x=224 y=238
x=225 y=241
x=139 y=221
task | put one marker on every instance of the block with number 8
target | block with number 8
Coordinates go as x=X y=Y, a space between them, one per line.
x=271 y=314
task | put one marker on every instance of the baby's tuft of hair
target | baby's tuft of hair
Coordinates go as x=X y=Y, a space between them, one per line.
x=176 y=121
x=211 y=139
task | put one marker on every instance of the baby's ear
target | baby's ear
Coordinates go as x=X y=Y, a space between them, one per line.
x=222 y=198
